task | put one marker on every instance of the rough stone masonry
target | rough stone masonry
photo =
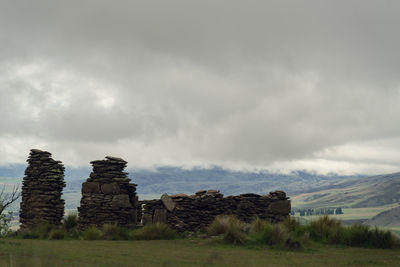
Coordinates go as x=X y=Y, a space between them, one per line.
x=41 y=191
x=191 y=213
x=107 y=195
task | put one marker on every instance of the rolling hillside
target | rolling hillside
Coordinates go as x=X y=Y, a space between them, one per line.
x=387 y=218
x=364 y=192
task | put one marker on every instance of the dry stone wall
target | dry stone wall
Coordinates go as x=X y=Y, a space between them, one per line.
x=107 y=195
x=41 y=191
x=191 y=213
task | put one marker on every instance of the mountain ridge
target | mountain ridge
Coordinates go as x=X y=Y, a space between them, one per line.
x=307 y=189
x=371 y=191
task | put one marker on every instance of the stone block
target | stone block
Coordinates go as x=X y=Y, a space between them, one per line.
x=160 y=216
x=280 y=206
x=168 y=202
x=121 y=201
x=147 y=219
x=110 y=189
x=90 y=187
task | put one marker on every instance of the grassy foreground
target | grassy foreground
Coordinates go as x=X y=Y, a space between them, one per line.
x=181 y=252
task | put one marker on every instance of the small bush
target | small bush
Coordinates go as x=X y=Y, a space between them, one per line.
x=233 y=230
x=325 y=229
x=220 y=225
x=41 y=231
x=356 y=235
x=57 y=234
x=73 y=234
x=260 y=232
x=70 y=221
x=304 y=238
x=92 y=233
x=114 y=232
x=266 y=233
x=257 y=226
x=291 y=234
x=158 y=231
x=362 y=236
x=279 y=235
x=382 y=238
x=44 y=229
x=5 y=223
x=236 y=232
x=293 y=226
x=30 y=235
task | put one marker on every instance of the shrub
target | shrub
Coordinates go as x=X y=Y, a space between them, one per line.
x=279 y=235
x=257 y=226
x=382 y=238
x=304 y=238
x=292 y=234
x=92 y=233
x=41 y=231
x=362 y=236
x=294 y=226
x=70 y=221
x=5 y=221
x=220 y=225
x=158 y=231
x=260 y=232
x=325 y=229
x=235 y=232
x=29 y=235
x=114 y=232
x=57 y=234
x=73 y=234
x=44 y=229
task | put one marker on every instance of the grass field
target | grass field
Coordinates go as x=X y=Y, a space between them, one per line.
x=195 y=252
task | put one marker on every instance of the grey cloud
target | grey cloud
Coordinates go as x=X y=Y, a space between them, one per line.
x=232 y=82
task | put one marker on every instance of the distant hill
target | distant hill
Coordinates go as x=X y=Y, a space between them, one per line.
x=305 y=188
x=369 y=191
x=153 y=183
x=173 y=180
x=387 y=218
x=177 y=180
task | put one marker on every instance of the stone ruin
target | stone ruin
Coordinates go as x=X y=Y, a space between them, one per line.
x=191 y=213
x=107 y=195
x=41 y=191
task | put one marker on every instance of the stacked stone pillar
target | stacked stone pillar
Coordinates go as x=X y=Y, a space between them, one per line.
x=108 y=197
x=42 y=190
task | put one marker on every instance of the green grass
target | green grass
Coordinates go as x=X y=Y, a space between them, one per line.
x=181 y=252
x=236 y=244
x=92 y=233
x=156 y=231
x=291 y=234
x=395 y=229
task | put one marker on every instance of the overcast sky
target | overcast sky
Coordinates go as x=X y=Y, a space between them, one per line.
x=276 y=85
